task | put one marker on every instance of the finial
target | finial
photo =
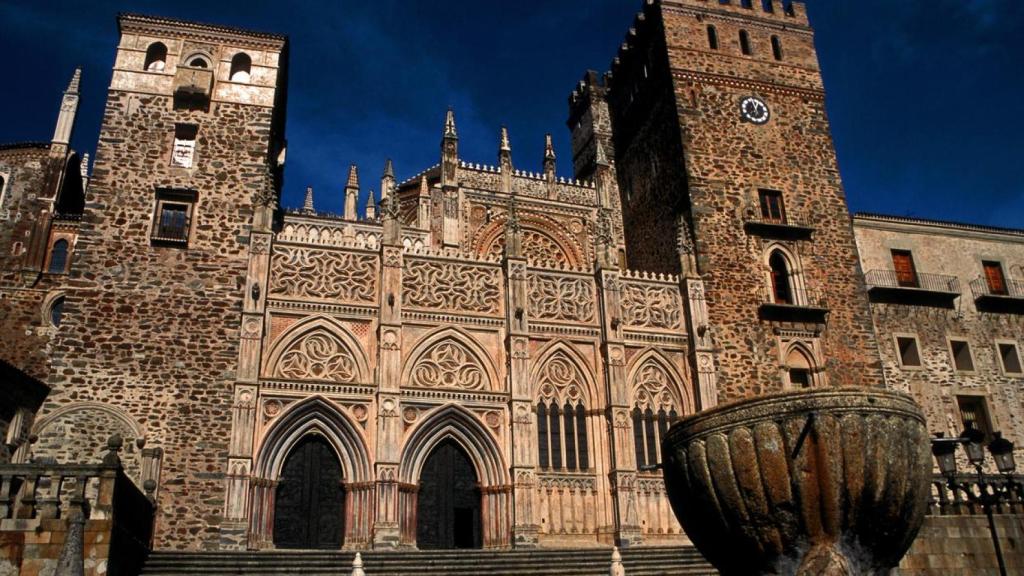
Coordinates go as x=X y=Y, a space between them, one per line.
x=353 y=177
x=449 y=124
x=371 y=206
x=84 y=166
x=505 y=145
x=424 y=186
x=307 y=206
x=549 y=148
x=76 y=79
x=357 y=565
x=389 y=169
x=114 y=445
x=392 y=207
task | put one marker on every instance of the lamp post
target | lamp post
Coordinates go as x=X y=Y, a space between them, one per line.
x=973 y=441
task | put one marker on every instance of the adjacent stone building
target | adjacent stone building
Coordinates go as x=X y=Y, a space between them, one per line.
x=489 y=355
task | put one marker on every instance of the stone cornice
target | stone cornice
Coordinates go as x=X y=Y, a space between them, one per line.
x=924 y=226
x=160 y=26
x=731 y=82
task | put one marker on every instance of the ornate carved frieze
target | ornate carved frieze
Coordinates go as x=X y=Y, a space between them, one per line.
x=561 y=298
x=540 y=250
x=651 y=306
x=451 y=286
x=318 y=356
x=324 y=275
x=448 y=364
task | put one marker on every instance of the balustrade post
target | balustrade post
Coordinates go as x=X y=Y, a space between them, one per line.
x=6 y=502
x=26 y=507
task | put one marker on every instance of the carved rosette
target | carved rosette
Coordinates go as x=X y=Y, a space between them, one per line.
x=848 y=498
x=451 y=286
x=647 y=306
x=561 y=298
x=323 y=275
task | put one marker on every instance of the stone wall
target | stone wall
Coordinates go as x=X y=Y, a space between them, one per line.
x=962 y=546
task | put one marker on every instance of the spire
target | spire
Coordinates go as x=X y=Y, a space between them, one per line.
x=353 y=177
x=424 y=186
x=387 y=181
x=351 y=193
x=505 y=145
x=68 y=110
x=389 y=169
x=76 y=79
x=449 y=124
x=505 y=162
x=307 y=206
x=371 y=206
x=549 y=158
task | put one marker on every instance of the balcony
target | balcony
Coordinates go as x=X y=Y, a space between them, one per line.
x=1009 y=299
x=888 y=287
x=784 y=228
x=171 y=233
x=804 y=306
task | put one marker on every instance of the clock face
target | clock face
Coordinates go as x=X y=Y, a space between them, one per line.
x=754 y=110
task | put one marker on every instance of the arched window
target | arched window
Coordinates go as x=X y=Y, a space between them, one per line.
x=59 y=257
x=747 y=3
x=782 y=290
x=777 y=48
x=562 y=437
x=241 y=66
x=56 y=312
x=197 y=61
x=654 y=411
x=712 y=37
x=800 y=369
x=156 y=57
x=745 y=43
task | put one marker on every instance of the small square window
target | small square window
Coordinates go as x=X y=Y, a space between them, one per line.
x=962 y=359
x=799 y=378
x=173 y=218
x=974 y=414
x=1010 y=357
x=909 y=354
x=183 y=154
x=772 y=208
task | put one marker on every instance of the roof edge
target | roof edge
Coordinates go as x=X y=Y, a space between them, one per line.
x=143 y=20
x=947 y=224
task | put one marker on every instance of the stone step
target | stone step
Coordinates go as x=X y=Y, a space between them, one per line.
x=652 y=561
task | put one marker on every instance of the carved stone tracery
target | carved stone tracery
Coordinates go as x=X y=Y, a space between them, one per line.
x=652 y=388
x=561 y=298
x=322 y=274
x=449 y=364
x=318 y=356
x=560 y=380
x=651 y=306
x=451 y=286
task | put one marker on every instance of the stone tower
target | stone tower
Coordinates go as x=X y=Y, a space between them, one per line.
x=185 y=184
x=728 y=173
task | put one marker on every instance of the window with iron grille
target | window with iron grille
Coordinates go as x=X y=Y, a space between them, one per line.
x=974 y=414
x=172 y=221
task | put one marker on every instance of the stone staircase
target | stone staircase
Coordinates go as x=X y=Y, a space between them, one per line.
x=644 y=561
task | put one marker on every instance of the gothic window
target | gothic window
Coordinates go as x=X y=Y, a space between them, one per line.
x=745 y=43
x=782 y=290
x=241 y=66
x=712 y=37
x=173 y=218
x=777 y=48
x=56 y=312
x=58 y=257
x=156 y=57
x=184 y=150
x=800 y=368
x=654 y=411
x=562 y=438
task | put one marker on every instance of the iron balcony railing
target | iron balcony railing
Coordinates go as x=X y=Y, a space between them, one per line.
x=174 y=232
x=796 y=298
x=889 y=279
x=982 y=288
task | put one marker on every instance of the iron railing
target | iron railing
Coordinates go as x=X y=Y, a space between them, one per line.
x=796 y=297
x=175 y=231
x=981 y=288
x=919 y=281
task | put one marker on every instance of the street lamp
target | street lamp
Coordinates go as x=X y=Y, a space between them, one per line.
x=973 y=441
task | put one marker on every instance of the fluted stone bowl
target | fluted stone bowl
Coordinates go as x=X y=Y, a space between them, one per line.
x=848 y=499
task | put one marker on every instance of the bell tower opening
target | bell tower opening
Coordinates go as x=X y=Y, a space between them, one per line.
x=448 y=504
x=309 y=507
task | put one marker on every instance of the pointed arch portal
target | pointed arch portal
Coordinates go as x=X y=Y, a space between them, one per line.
x=310 y=500
x=448 y=506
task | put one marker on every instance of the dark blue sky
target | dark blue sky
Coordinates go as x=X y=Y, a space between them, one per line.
x=926 y=97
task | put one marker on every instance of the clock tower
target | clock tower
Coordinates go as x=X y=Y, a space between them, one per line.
x=729 y=177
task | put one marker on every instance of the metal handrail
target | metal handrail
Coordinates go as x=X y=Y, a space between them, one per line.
x=922 y=281
x=1013 y=288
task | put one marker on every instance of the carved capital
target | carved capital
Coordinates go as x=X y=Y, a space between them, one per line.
x=393 y=257
x=259 y=244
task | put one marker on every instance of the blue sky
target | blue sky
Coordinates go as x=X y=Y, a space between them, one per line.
x=926 y=97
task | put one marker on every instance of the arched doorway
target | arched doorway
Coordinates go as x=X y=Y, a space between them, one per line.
x=448 y=503
x=309 y=508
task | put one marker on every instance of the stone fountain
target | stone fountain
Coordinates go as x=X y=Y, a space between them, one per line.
x=813 y=482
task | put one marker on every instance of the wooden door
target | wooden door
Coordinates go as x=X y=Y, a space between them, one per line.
x=448 y=503
x=994 y=277
x=309 y=508
x=906 y=273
